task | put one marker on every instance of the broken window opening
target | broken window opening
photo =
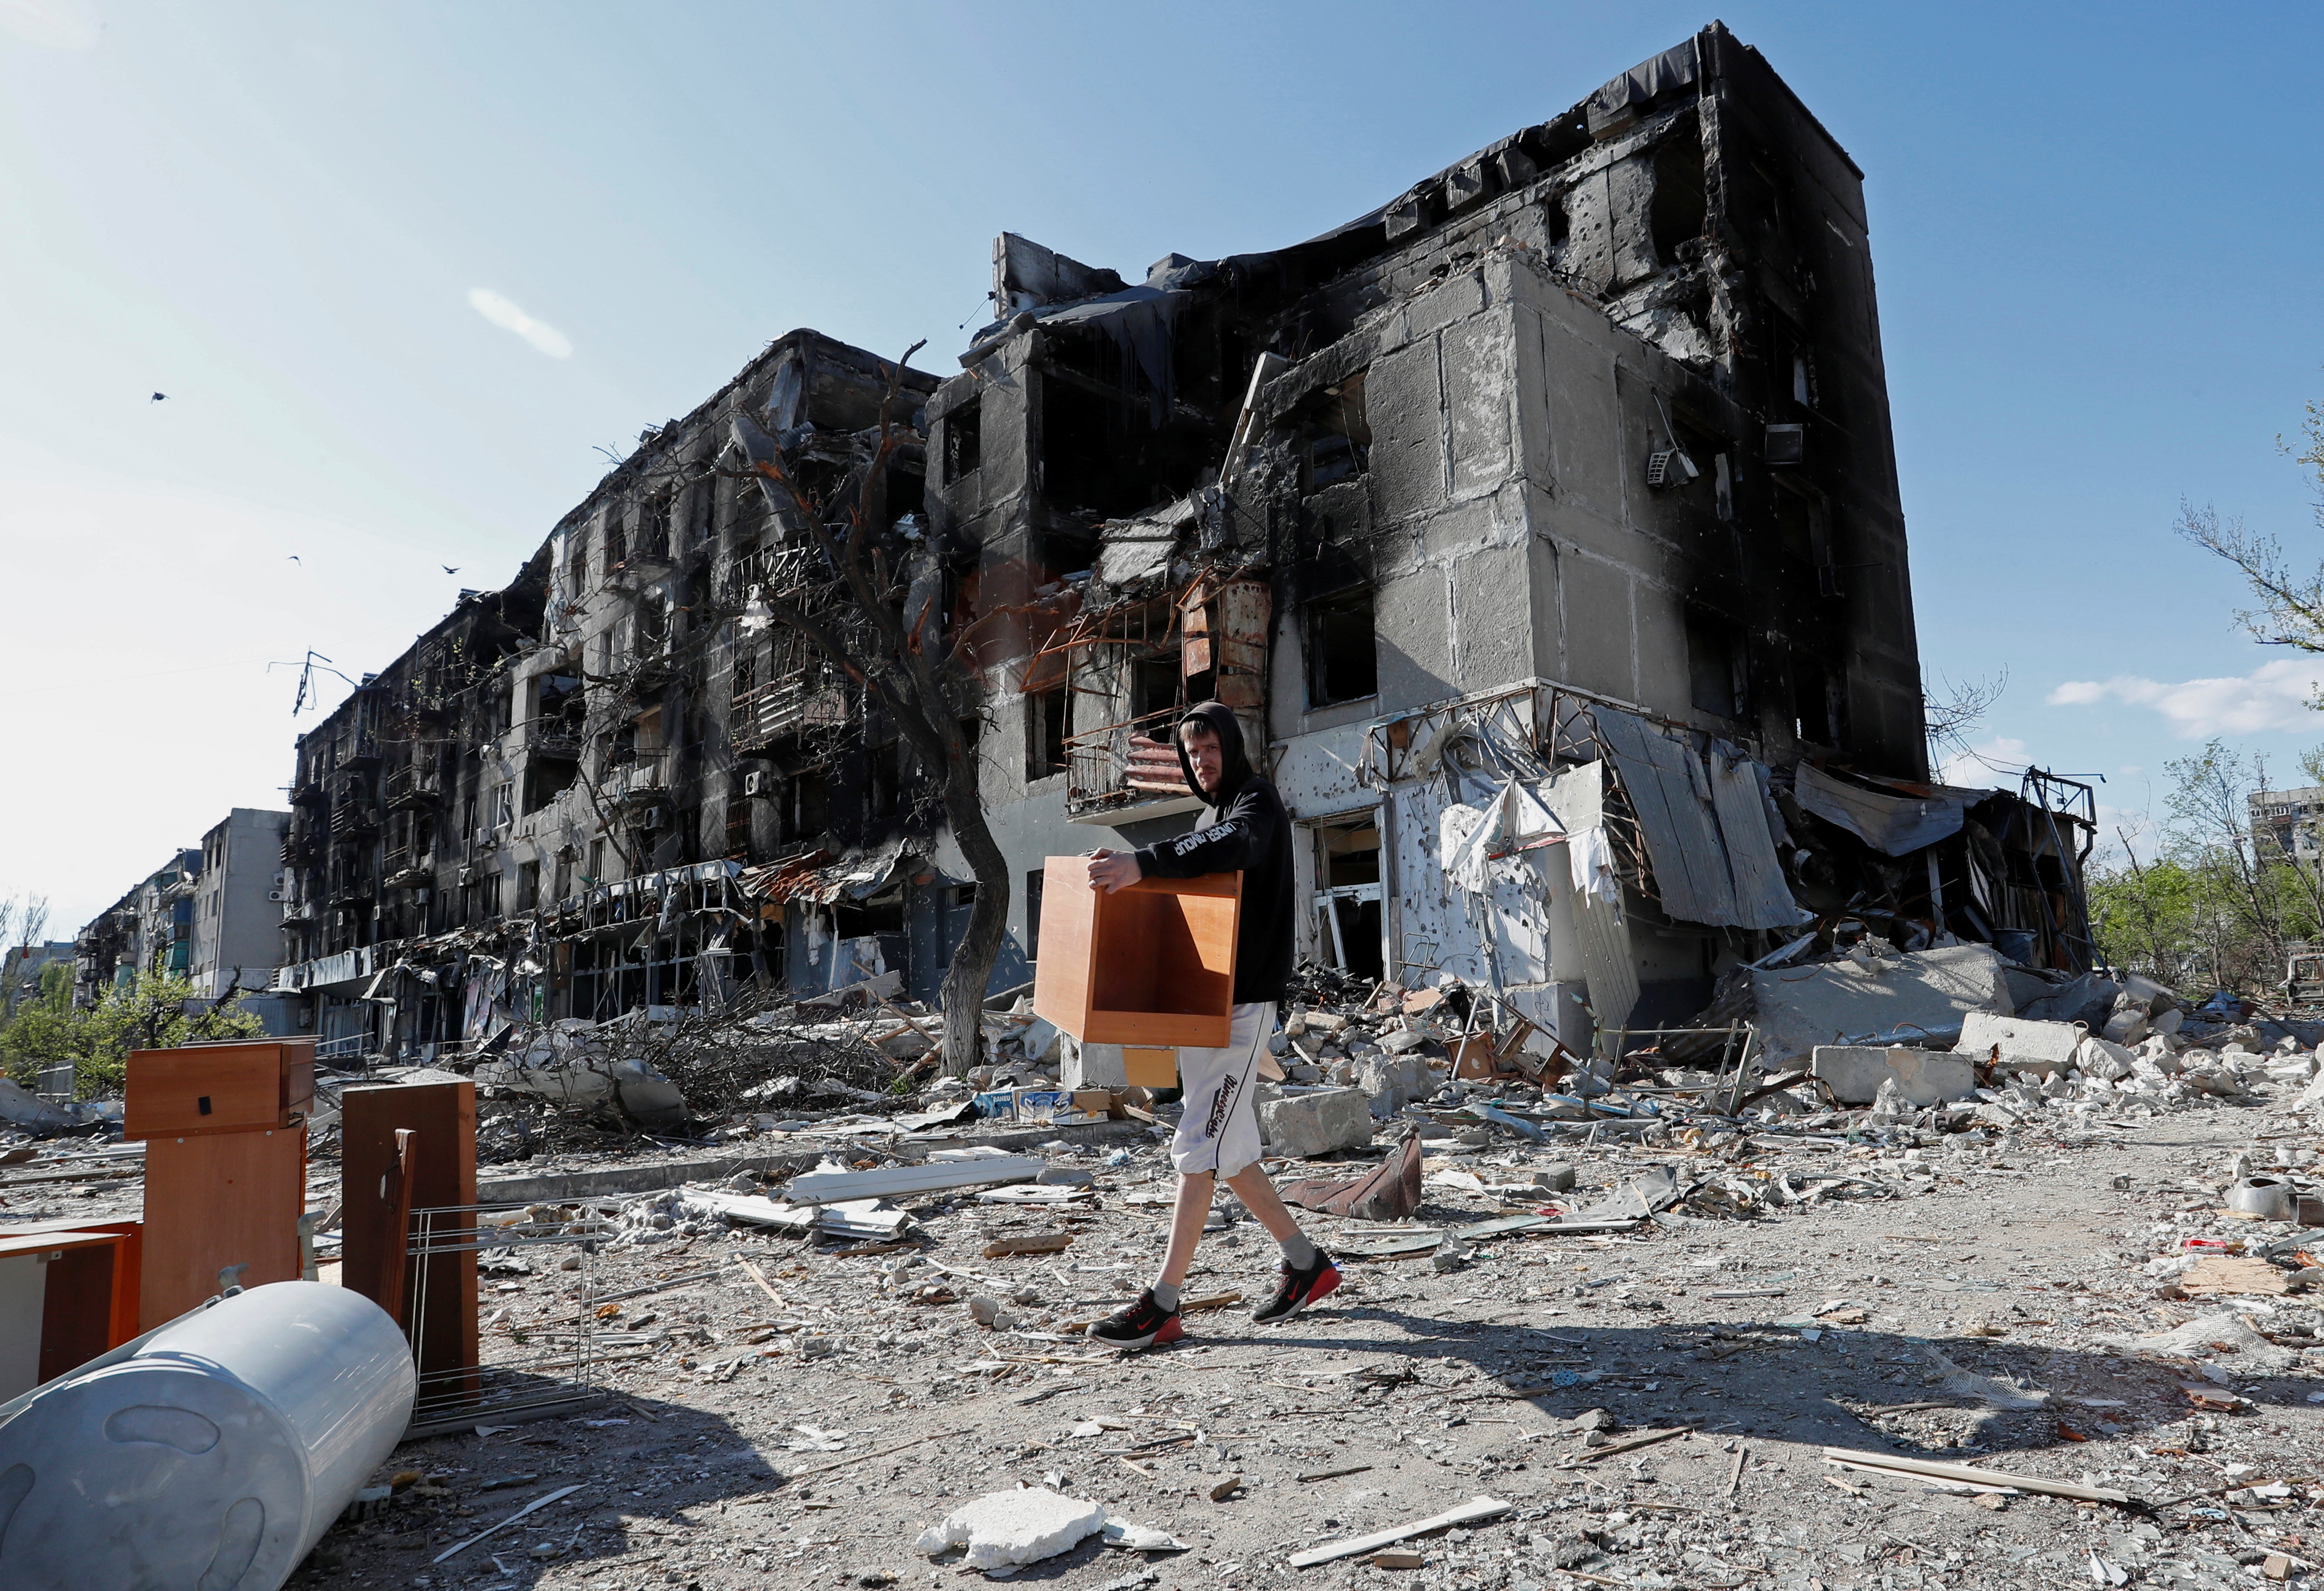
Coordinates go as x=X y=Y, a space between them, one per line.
x=617 y=550
x=963 y=441
x=1033 y=915
x=1680 y=211
x=1716 y=679
x=528 y=885
x=1799 y=523
x=1811 y=706
x=809 y=813
x=1347 y=901
x=1153 y=684
x=1332 y=435
x=1045 y=727
x=1342 y=652
x=884 y=774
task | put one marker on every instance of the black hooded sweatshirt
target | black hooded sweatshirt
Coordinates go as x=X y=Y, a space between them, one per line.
x=1243 y=830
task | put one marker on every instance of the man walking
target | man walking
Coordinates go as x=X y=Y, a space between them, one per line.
x=1244 y=830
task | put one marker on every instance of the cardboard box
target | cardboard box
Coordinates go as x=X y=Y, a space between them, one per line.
x=1058 y=1106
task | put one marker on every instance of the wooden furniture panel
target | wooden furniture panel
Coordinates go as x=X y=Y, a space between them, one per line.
x=1150 y=966
x=58 y=1291
x=219 y=1088
x=376 y=1231
x=1061 y=971
x=214 y=1200
x=129 y=1258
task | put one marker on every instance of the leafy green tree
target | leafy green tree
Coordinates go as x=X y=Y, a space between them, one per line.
x=148 y=1014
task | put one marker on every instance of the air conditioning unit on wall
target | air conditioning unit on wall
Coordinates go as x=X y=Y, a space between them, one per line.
x=758 y=784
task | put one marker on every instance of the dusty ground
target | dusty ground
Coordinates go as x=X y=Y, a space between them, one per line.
x=730 y=1455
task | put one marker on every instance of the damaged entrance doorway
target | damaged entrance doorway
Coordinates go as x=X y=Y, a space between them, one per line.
x=1347 y=931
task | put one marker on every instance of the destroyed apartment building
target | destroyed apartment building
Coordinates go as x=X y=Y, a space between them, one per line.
x=1542 y=527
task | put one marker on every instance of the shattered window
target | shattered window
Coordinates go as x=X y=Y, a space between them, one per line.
x=1343 y=661
x=1045 y=733
x=963 y=443
x=1714 y=665
x=1811 y=706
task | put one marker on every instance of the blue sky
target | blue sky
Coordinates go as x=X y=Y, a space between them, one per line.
x=2097 y=233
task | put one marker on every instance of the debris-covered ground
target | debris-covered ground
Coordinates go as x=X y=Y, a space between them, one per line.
x=2021 y=1282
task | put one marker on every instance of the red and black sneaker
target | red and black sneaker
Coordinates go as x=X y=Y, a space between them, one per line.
x=1144 y=1325
x=1299 y=1289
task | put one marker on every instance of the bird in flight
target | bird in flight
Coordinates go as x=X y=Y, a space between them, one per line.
x=157 y=397
x=294 y=558
x=450 y=570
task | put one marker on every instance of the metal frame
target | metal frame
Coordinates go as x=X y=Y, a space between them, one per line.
x=517 y=1387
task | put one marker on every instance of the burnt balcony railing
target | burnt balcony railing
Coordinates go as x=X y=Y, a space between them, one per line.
x=782 y=706
x=417 y=787
x=1125 y=769
x=554 y=745
x=638 y=782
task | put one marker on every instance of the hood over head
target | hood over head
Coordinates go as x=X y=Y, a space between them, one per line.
x=1234 y=764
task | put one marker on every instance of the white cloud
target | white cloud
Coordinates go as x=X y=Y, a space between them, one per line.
x=2272 y=697
x=1986 y=764
x=544 y=337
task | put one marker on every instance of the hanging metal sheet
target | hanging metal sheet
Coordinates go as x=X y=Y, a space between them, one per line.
x=1762 y=898
x=1682 y=835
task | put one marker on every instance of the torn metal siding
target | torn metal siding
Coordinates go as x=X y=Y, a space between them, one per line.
x=1738 y=791
x=1893 y=825
x=1667 y=789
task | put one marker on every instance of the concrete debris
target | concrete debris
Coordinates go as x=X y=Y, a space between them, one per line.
x=1926 y=994
x=2016 y=1044
x=1003 y=1529
x=1855 y=1074
x=1314 y=1122
x=2223 y=1339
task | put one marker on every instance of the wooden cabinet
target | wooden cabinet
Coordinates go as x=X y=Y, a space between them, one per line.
x=433 y=1297
x=1150 y=966
x=67 y=1294
x=226 y=1165
x=218 y=1199
x=234 y=1088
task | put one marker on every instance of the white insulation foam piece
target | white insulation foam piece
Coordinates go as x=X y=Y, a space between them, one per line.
x=1022 y=1526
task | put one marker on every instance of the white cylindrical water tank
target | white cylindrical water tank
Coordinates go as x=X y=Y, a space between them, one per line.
x=211 y=1458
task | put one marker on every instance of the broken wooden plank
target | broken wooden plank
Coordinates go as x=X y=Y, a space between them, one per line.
x=1969 y=1476
x=1042 y=1242
x=1330 y=1474
x=819 y=1188
x=1469 y=1512
x=1647 y=1440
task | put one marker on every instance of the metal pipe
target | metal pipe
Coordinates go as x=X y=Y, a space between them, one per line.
x=213 y=1455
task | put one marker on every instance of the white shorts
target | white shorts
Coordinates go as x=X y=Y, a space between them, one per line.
x=1219 y=1129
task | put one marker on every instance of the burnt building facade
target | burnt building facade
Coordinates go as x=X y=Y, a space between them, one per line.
x=1539 y=526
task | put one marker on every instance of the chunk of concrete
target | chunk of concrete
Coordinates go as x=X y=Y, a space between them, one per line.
x=2017 y=1044
x=1394 y=1081
x=1091 y=1066
x=1001 y=1528
x=1316 y=1122
x=1926 y=993
x=1854 y=1073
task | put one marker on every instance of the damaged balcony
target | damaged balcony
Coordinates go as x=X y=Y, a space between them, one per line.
x=1126 y=772
x=416 y=788
x=808 y=699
